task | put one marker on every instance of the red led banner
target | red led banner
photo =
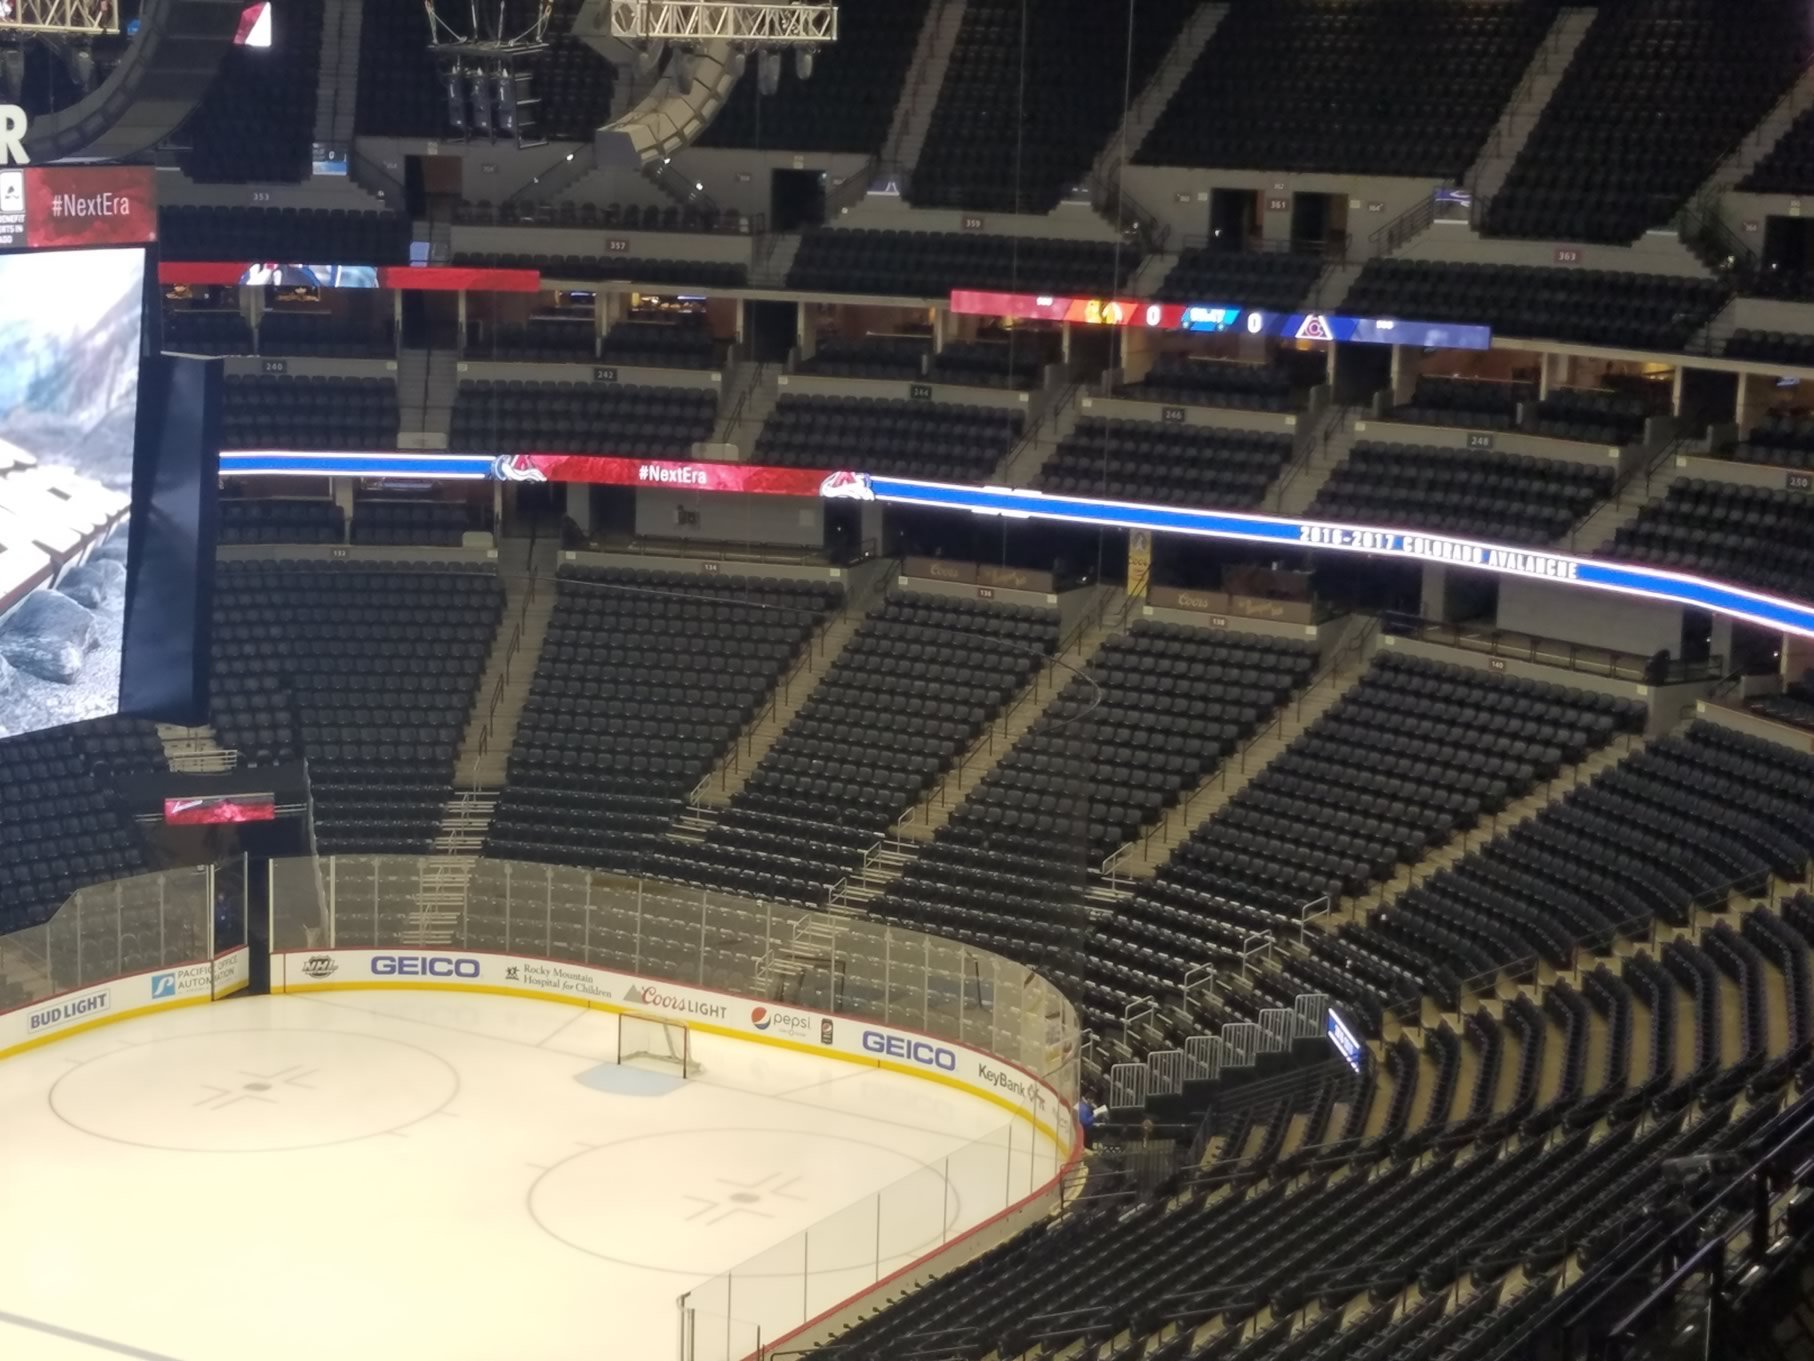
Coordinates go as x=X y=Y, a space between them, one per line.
x=69 y=207
x=667 y=474
x=1087 y=311
x=402 y=278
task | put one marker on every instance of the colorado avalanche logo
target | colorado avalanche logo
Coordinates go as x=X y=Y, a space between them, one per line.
x=516 y=468
x=847 y=487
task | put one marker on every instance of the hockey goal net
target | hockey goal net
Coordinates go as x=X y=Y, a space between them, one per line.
x=664 y=1046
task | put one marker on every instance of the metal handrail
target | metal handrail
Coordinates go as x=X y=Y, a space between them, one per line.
x=1512 y=645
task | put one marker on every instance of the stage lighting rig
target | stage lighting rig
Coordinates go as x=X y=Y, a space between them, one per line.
x=486 y=62
x=91 y=17
x=736 y=21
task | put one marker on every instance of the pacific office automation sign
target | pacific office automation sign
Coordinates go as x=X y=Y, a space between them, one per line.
x=69 y=207
x=845 y=1037
x=73 y=1012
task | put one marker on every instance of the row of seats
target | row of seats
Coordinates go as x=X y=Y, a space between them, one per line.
x=1515 y=498
x=1410 y=88
x=283 y=235
x=1658 y=92
x=1759 y=536
x=643 y=682
x=632 y=420
x=1025 y=105
x=371 y=670
x=938 y=440
x=1594 y=307
x=1167 y=463
x=587 y=216
x=63 y=825
x=1152 y=716
x=1192 y=380
x=309 y=413
x=915 y=686
x=931 y=264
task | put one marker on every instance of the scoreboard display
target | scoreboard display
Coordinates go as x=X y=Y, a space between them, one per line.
x=81 y=487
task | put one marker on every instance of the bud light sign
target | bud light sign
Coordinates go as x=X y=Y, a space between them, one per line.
x=424 y=966
x=62 y=1013
x=922 y=1052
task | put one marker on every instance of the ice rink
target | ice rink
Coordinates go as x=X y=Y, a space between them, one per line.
x=376 y=1176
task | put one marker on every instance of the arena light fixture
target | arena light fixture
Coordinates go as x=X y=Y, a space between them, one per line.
x=724 y=21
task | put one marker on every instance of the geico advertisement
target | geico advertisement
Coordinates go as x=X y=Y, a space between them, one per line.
x=843 y=1035
x=56 y=1016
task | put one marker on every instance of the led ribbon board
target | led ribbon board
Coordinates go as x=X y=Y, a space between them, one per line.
x=1214 y=317
x=1651 y=583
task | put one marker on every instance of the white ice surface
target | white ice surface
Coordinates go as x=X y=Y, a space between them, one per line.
x=371 y=1176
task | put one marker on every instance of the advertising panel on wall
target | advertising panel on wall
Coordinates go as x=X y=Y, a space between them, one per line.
x=67 y=207
x=850 y=1039
x=73 y=1012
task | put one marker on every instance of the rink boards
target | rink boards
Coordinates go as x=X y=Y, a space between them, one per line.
x=120 y=999
x=845 y=1038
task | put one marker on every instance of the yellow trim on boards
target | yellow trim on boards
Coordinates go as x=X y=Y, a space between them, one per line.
x=97 y=1022
x=798 y=1046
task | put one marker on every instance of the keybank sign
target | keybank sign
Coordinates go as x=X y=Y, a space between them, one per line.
x=73 y=1010
x=424 y=966
x=922 y=1052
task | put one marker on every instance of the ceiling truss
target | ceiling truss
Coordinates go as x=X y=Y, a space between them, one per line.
x=735 y=21
x=83 y=17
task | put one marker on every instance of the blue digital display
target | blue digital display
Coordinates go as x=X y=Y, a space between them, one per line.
x=1654 y=583
x=1328 y=326
x=1774 y=612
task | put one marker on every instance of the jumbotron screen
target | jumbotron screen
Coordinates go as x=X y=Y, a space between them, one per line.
x=70 y=345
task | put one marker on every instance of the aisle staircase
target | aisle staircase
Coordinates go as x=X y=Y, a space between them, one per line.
x=925 y=78
x=726 y=779
x=194 y=750
x=922 y=822
x=1143 y=112
x=1525 y=108
x=527 y=566
x=1347 y=664
x=1500 y=824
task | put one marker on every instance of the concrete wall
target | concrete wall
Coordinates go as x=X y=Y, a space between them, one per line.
x=1070 y=221
x=963 y=590
x=1504 y=442
x=355 y=553
x=741 y=179
x=732 y=247
x=1234 y=623
x=657 y=562
x=1592 y=619
x=1741 y=474
x=1454 y=241
x=1666 y=703
x=1795 y=739
x=494 y=370
x=811 y=385
x=241 y=366
x=715 y=517
x=1179 y=197
x=1208 y=417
